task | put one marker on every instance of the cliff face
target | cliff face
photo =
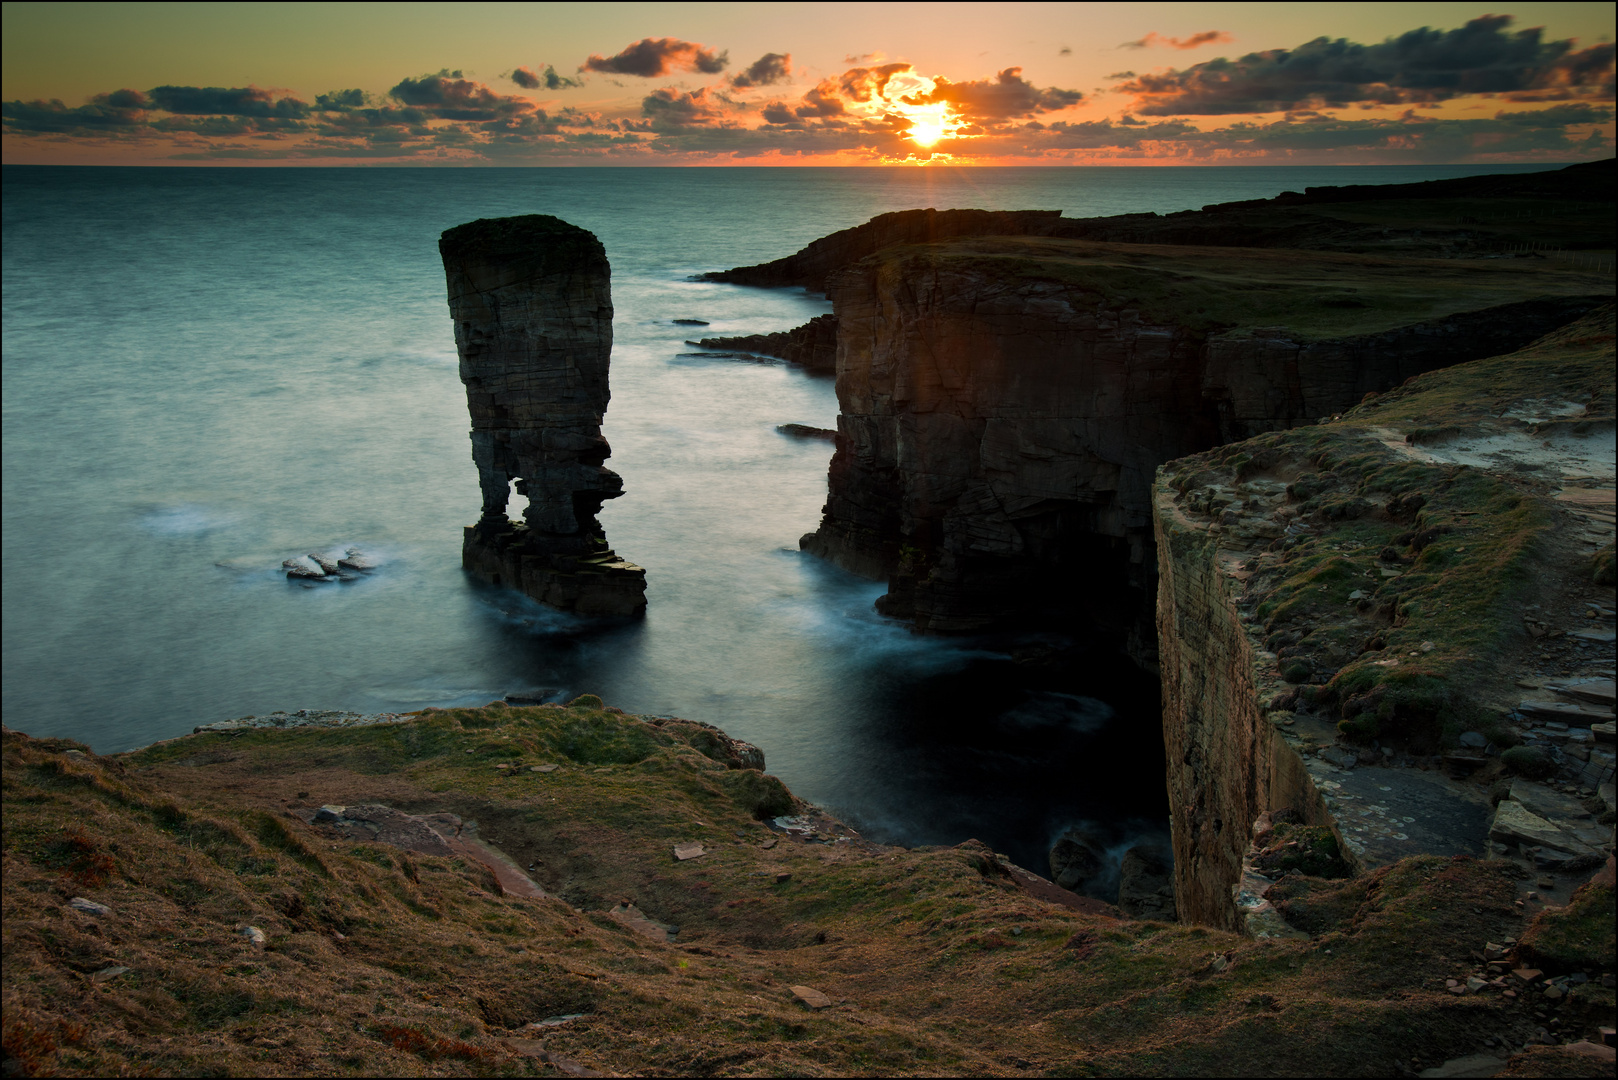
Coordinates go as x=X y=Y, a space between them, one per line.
x=1341 y=625
x=1004 y=405
x=1226 y=764
x=994 y=434
x=532 y=303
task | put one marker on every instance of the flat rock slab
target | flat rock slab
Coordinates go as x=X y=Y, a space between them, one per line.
x=682 y=852
x=1548 y=803
x=1389 y=814
x=1516 y=824
x=513 y=882
x=641 y=923
x=1047 y=890
x=1472 y=1065
x=1571 y=715
x=1595 y=691
x=809 y=996
x=426 y=834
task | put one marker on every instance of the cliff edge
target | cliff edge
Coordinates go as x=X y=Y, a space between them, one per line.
x=575 y=890
x=1397 y=625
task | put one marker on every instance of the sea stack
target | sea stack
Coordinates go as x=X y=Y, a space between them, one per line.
x=531 y=297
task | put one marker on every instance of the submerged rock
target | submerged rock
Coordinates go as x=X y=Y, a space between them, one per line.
x=804 y=431
x=304 y=568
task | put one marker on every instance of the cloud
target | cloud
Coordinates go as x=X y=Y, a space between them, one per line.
x=822 y=100
x=449 y=96
x=1413 y=137
x=528 y=79
x=1065 y=50
x=671 y=109
x=652 y=57
x=1421 y=66
x=121 y=110
x=867 y=83
x=864 y=114
x=340 y=100
x=1207 y=37
x=767 y=70
x=1003 y=97
x=218 y=101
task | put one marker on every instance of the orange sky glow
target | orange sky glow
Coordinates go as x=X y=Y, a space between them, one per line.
x=804 y=84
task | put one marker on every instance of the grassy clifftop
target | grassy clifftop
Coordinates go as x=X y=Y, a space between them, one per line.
x=1405 y=542
x=375 y=960
x=1314 y=295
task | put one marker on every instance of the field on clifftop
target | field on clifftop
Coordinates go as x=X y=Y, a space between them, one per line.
x=376 y=961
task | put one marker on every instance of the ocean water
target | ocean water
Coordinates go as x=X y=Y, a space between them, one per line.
x=207 y=371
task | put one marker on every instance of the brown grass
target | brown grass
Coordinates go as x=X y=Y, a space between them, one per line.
x=383 y=963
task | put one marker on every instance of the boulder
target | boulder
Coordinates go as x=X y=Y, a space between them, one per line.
x=1078 y=861
x=304 y=568
x=1146 y=883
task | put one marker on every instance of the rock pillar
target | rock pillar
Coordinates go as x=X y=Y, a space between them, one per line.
x=531 y=298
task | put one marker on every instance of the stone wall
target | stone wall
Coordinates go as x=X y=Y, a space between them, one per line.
x=532 y=303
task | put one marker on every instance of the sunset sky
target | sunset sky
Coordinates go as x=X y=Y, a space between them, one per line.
x=805 y=84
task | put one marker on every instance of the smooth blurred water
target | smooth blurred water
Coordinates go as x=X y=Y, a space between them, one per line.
x=207 y=371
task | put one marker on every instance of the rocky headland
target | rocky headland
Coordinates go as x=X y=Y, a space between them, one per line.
x=532 y=302
x=1377 y=541
x=813 y=346
x=1005 y=402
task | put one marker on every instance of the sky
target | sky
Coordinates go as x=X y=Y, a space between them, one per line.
x=804 y=84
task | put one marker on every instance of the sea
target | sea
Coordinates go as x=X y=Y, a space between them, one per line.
x=210 y=370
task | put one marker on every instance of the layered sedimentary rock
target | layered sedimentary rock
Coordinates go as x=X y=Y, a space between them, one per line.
x=1340 y=603
x=1004 y=405
x=532 y=303
x=812 y=345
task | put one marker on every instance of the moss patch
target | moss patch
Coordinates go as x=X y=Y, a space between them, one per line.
x=1579 y=937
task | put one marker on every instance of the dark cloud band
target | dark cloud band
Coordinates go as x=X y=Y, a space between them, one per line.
x=653 y=57
x=1422 y=66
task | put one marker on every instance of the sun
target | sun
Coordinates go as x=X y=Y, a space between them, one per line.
x=926 y=132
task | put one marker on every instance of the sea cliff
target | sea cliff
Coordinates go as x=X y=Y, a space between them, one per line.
x=1005 y=401
x=1349 y=616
